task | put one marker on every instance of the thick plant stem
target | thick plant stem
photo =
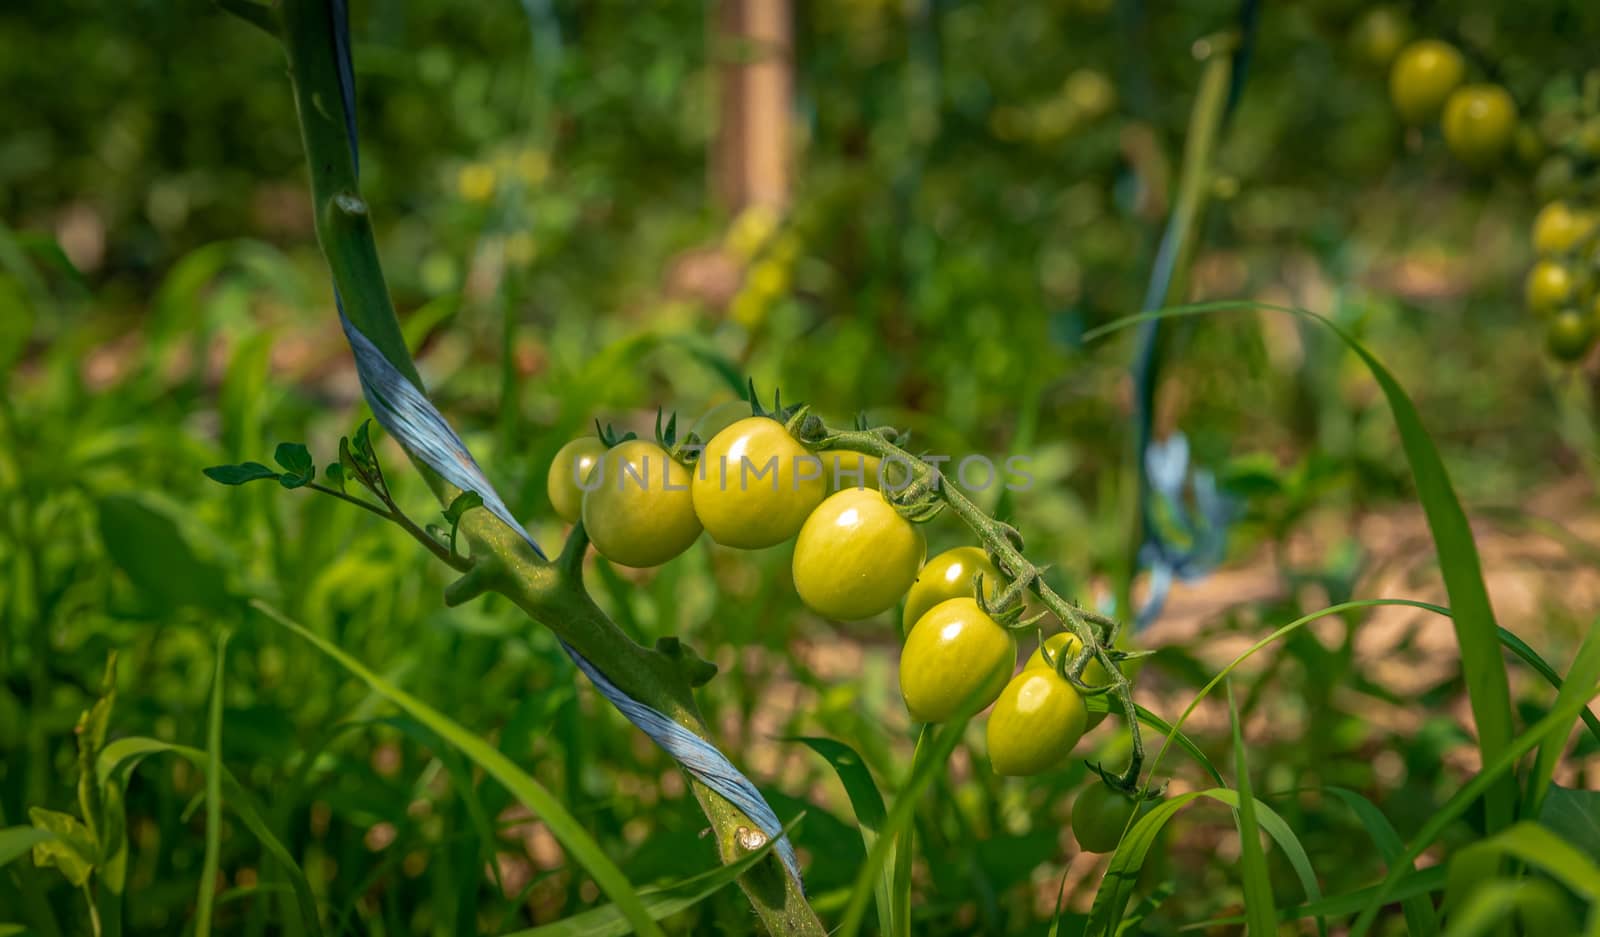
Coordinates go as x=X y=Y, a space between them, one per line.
x=1003 y=543
x=550 y=593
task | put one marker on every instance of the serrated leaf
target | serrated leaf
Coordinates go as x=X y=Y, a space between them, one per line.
x=299 y=468
x=239 y=474
x=72 y=849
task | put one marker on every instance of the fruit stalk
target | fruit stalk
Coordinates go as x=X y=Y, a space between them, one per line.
x=1004 y=545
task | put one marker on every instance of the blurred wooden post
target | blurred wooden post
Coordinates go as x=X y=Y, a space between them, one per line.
x=750 y=155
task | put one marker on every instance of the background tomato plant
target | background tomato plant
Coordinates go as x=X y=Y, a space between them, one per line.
x=976 y=186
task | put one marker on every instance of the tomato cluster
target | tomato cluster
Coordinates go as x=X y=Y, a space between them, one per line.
x=1427 y=83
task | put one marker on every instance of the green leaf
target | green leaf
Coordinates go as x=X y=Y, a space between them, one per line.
x=1496 y=901
x=1261 y=911
x=1532 y=659
x=68 y=846
x=529 y=792
x=608 y=921
x=1574 y=815
x=1418 y=910
x=299 y=469
x=1585 y=672
x=1558 y=719
x=459 y=505
x=1166 y=729
x=118 y=760
x=146 y=544
x=1412 y=888
x=334 y=473
x=208 y=869
x=1476 y=631
x=16 y=840
x=239 y=474
x=870 y=816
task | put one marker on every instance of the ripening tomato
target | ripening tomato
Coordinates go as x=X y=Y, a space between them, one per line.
x=949 y=576
x=568 y=470
x=1379 y=34
x=1558 y=229
x=1569 y=335
x=755 y=484
x=638 y=510
x=1550 y=285
x=1094 y=673
x=1479 y=121
x=1423 y=76
x=1099 y=816
x=855 y=556
x=953 y=652
x=1035 y=723
x=852 y=470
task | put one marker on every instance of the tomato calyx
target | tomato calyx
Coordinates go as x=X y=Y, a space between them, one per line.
x=608 y=434
x=1133 y=791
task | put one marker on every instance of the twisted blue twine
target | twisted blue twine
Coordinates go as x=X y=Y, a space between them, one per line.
x=402 y=409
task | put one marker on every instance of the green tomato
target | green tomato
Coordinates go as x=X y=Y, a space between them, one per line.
x=1035 y=723
x=1423 y=76
x=949 y=576
x=568 y=471
x=1099 y=816
x=755 y=484
x=953 y=652
x=719 y=418
x=1094 y=673
x=855 y=556
x=852 y=470
x=1558 y=230
x=1549 y=286
x=1569 y=335
x=1479 y=121
x=638 y=510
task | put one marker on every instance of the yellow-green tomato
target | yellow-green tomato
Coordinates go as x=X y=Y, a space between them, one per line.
x=1549 y=286
x=638 y=510
x=954 y=652
x=754 y=484
x=1558 y=229
x=852 y=470
x=949 y=576
x=1479 y=121
x=855 y=556
x=1379 y=34
x=1099 y=816
x=1094 y=673
x=1569 y=335
x=1035 y=723
x=1424 y=74
x=570 y=468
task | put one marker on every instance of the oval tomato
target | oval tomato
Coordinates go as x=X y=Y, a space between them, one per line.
x=568 y=471
x=1479 y=122
x=755 y=484
x=1035 y=723
x=949 y=576
x=855 y=556
x=1424 y=74
x=1100 y=815
x=1550 y=285
x=638 y=510
x=953 y=652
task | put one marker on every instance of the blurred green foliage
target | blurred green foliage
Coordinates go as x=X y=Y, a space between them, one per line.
x=976 y=187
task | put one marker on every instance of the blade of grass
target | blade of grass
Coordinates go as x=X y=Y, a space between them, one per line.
x=1482 y=663
x=1418 y=910
x=870 y=812
x=1184 y=742
x=663 y=902
x=208 y=868
x=1416 y=886
x=1557 y=719
x=118 y=759
x=1261 y=910
x=19 y=840
x=1585 y=671
x=1532 y=659
x=529 y=792
x=1496 y=901
x=1532 y=845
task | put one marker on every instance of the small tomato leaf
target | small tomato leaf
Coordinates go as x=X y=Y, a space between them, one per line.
x=239 y=474
x=299 y=469
x=335 y=474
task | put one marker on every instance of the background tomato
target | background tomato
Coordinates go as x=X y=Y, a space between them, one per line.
x=567 y=470
x=1423 y=76
x=638 y=511
x=1035 y=723
x=1558 y=229
x=954 y=651
x=1569 y=335
x=1478 y=123
x=1549 y=286
x=755 y=484
x=855 y=556
x=1099 y=816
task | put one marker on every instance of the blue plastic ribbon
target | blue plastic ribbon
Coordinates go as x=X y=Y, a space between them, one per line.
x=402 y=409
